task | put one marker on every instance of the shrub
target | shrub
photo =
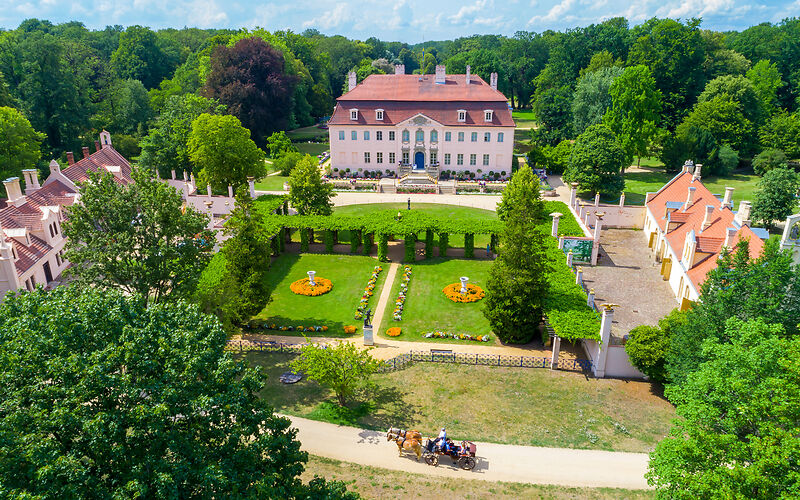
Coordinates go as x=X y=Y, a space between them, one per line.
x=767 y=160
x=444 y=239
x=428 y=243
x=286 y=162
x=646 y=348
x=410 y=247
x=469 y=245
x=383 y=247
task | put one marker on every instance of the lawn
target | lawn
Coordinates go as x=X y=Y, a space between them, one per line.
x=336 y=308
x=307 y=133
x=427 y=308
x=523 y=406
x=375 y=482
x=524 y=118
x=271 y=183
x=312 y=148
x=637 y=184
x=432 y=209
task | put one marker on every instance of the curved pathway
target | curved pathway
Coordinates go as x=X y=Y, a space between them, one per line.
x=496 y=462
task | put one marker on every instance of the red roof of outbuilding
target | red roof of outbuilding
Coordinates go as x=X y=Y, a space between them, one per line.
x=97 y=161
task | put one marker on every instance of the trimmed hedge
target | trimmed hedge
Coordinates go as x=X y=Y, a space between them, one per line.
x=429 y=244
x=410 y=247
x=366 y=241
x=383 y=247
x=329 y=239
x=355 y=240
x=469 y=245
x=303 y=240
x=444 y=239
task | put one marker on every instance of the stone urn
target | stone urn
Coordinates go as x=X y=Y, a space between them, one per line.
x=464 y=280
x=311 y=278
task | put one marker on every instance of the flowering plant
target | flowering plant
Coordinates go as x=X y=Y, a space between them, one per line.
x=455 y=336
x=368 y=292
x=303 y=287
x=300 y=328
x=393 y=331
x=397 y=314
x=349 y=329
x=474 y=293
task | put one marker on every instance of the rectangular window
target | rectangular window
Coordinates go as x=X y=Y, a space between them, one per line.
x=462 y=115
x=434 y=158
x=473 y=159
x=391 y=157
x=366 y=157
x=485 y=160
x=487 y=116
x=447 y=158
x=58 y=261
x=366 y=135
x=378 y=157
x=499 y=137
x=341 y=135
x=460 y=159
x=378 y=135
x=474 y=137
x=353 y=135
x=461 y=137
x=379 y=114
x=354 y=114
x=391 y=135
x=487 y=137
x=447 y=136
x=405 y=157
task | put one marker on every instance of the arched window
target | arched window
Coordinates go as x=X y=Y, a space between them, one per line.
x=405 y=135
x=420 y=136
x=434 y=136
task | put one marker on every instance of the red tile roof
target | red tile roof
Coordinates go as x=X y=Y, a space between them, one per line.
x=710 y=239
x=29 y=255
x=97 y=161
x=411 y=88
x=445 y=113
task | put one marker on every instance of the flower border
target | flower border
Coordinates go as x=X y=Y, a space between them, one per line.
x=368 y=292
x=399 y=303
x=438 y=334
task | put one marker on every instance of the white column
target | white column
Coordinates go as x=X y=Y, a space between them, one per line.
x=208 y=189
x=569 y=258
x=173 y=174
x=573 y=195
x=560 y=242
x=622 y=200
x=605 y=338
x=582 y=212
x=597 y=199
x=598 y=225
x=579 y=276
x=554 y=229
x=556 y=350
x=251 y=183
x=590 y=298
x=210 y=215
x=230 y=191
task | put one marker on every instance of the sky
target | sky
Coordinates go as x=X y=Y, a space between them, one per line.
x=405 y=20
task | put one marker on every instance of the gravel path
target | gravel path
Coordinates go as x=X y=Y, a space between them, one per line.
x=384 y=298
x=496 y=462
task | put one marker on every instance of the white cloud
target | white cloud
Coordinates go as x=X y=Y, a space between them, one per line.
x=557 y=12
x=335 y=18
x=467 y=13
x=206 y=13
x=402 y=15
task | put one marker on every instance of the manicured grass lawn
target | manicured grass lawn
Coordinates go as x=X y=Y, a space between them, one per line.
x=307 y=133
x=336 y=308
x=524 y=118
x=525 y=406
x=637 y=184
x=312 y=148
x=375 y=482
x=271 y=183
x=432 y=209
x=427 y=308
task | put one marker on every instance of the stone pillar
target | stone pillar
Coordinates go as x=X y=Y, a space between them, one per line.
x=590 y=298
x=251 y=183
x=586 y=218
x=605 y=338
x=554 y=230
x=173 y=174
x=186 y=190
x=556 y=350
x=560 y=242
x=597 y=200
x=579 y=275
x=368 y=340
x=598 y=226
x=208 y=189
x=209 y=204
x=569 y=258
x=573 y=195
x=582 y=212
x=191 y=180
x=622 y=200
x=230 y=191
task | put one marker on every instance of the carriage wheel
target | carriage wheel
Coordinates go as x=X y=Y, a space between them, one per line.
x=467 y=463
x=431 y=459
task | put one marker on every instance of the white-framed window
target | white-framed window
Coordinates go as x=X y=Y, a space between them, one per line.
x=379 y=115
x=58 y=260
x=378 y=135
x=406 y=135
x=460 y=159
x=366 y=135
x=485 y=160
x=434 y=158
x=434 y=136
x=391 y=157
x=353 y=135
x=473 y=159
x=405 y=157
x=341 y=135
x=473 y=137
x=391 y=135
x=461 y=137
x=419 y=136
x=500 y=137
x=447 y=158
x=354 y=114
x=462 y=115
x=366 y=156
x=487 y=115
x=487 y=137
x=378 y=157
x=447 y=136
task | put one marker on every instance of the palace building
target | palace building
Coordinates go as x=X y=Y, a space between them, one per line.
x=404 y=124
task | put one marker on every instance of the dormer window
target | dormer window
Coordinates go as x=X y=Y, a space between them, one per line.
x=379 y=115
x=462 y=115
x=487 y=115
x=354 y=114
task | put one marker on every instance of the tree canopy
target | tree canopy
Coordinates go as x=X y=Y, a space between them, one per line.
x=596 y=161
x=774 y=199
x=20 y=144
x=308 y=194
x=635 y=111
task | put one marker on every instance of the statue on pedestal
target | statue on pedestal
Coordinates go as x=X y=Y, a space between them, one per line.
x=367 y=316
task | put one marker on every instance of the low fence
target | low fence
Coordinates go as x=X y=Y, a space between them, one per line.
x=402 y=361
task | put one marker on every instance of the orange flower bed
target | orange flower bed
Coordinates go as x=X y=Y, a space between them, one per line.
x=303 y=287
x=349 y=329
x=474 y=293
x=393 y=332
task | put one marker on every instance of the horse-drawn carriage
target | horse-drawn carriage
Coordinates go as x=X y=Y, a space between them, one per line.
x=463 y=456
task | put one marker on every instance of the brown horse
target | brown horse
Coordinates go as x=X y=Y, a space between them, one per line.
x=406 y=440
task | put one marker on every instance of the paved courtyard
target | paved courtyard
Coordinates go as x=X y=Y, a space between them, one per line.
x=627 y=275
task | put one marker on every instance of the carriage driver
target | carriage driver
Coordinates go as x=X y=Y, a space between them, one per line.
x=441 y=441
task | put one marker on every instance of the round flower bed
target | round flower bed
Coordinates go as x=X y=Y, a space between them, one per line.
x=349 y=329
x=393 y=332
x=474 y=293
x=303 y=287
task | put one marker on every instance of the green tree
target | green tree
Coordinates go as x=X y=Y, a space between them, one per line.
x=287 y=161
x=278 y=144
x=553 y=110
x=738 y=422
x=516 y=285
x=140 y=56
x=20 y=144
x=741 y=91
x=103 y=398
x=343 y=367
x=136 y=238
x=592 y=98
x=647 y=346
x=596 y=161
x=782 y=132
x=601 y=60
x=126 y=108
x=308 y=193
x=774 y=199
x=223 y=153
x=166 y=146
x=635 y=111
x=766 y=80
x=767 y=160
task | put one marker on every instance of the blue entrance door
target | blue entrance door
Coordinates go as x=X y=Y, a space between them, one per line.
x=419 y=160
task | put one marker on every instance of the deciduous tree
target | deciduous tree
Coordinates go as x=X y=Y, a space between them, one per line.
x=20 y=145
x=774 y=199
x=343 y=367
x=782 y=132
x=592 y=98
x=766 y=80
x=140 y=56
x=308 y=194
x=635 y=111
x=279 y=143
x=596 y=161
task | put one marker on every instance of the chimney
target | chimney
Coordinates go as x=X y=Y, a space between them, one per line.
x=31 y=180
x=351 y=81
x=13 y=191
x=399 y=69
x=743 y=214
x=707 y=219
x=730 y=233
x=493 y=80
x=687 y=166
x=441 y=72
x=697 y=176
x=97 y=145
x=728 y=200
x=467 y=78
x=55 y=168
x=70 y=158
x=689 y=198
x=85 y=151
